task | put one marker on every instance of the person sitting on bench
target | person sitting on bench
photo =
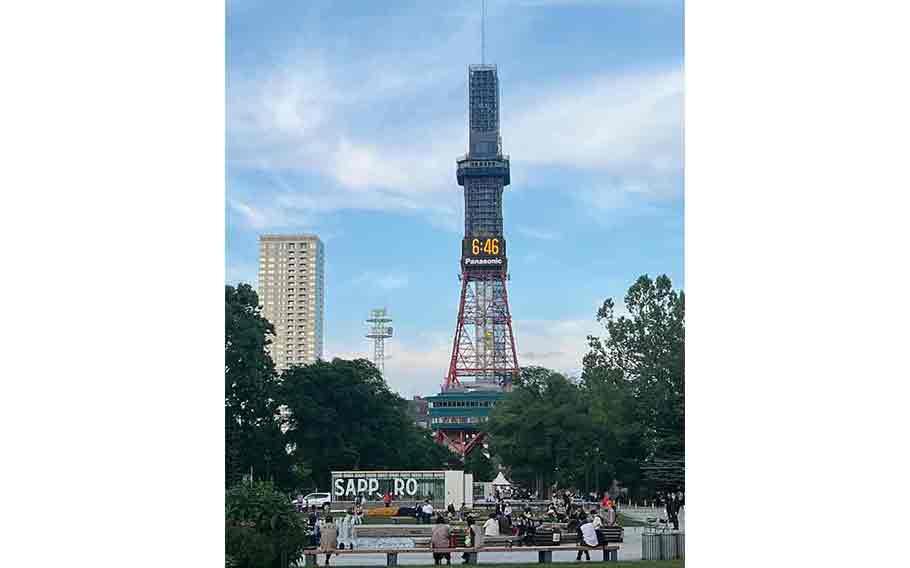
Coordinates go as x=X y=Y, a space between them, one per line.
x=441 y=538
x=328 y=538
x=587 y=537
x=491 y=527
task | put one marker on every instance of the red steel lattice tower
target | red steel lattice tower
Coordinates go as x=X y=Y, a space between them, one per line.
x=484 y=358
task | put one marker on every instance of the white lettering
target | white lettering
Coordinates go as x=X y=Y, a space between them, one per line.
x=361 y=485
x=473 y=261
x=399 y=486
x=339 y=487
x=374 y=486
x=352 y=488
x=411 y=486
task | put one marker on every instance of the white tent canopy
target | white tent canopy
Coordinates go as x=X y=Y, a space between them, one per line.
x=501 y=480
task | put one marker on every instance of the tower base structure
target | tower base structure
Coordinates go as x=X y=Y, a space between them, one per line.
x=457 y=416
x=483 y=364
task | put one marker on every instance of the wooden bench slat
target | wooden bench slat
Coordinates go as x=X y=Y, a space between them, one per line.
x=428 y=550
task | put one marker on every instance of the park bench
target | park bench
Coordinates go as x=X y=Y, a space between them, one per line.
x=544 y=553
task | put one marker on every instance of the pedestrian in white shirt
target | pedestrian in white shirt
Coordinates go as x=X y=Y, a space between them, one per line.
x=491 y=527
x=588 y=538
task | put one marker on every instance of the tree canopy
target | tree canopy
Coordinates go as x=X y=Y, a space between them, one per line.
x=643 y=358
x=344 y=416
x=253 y=436
x=294 y=429
x=622 y=419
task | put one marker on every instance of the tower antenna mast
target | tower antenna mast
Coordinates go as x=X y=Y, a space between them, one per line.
x=379 y=331
x=483 y=31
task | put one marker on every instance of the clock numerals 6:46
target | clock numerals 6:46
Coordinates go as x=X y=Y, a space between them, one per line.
x=488 y=246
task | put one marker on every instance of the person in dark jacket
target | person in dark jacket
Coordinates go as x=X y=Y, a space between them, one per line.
x=673 y=510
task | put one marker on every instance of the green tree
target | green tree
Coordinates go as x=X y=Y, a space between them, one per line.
x=640 y=371
x=342 y=415
x=479 y=465
x=541 y=430
x=262 y=528
x=253 y=437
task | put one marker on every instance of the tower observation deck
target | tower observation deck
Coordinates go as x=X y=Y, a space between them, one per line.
x=484 y=360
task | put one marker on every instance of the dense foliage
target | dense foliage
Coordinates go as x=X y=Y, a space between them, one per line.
x=295 y=428
x=479 y=464
x=253 y=438
x=262 y=528
x=623 y=419
x=344 y=416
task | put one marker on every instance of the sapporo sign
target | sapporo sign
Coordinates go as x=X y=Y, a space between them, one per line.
x=351 y=486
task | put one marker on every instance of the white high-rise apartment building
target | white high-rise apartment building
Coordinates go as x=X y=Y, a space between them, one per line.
x=292 y=294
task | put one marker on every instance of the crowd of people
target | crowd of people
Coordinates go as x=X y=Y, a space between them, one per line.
x=331 y=534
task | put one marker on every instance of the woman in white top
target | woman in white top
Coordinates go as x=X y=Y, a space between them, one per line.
x=589 y=539
x=491 y=527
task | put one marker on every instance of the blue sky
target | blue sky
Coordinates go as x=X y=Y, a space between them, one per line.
x=345 y=119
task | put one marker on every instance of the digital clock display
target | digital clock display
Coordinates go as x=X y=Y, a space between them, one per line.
x=488 y=247
x=483 y=253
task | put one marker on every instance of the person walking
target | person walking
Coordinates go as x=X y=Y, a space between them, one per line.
x=440 y=539
x=328 y=538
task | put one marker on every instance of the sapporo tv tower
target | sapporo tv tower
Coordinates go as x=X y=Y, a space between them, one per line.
x=484 y=361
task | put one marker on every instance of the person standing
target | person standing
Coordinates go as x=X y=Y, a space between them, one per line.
x=504 y=528
x=673 y=510
x=440 y=539
x=328 y=538
x=610 y=515
x=473 y=537
x=387 y=498
x=343 y=525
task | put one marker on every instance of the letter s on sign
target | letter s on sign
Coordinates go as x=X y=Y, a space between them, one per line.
x=339 y=487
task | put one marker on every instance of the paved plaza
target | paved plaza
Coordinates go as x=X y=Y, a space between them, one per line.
x=631 y=548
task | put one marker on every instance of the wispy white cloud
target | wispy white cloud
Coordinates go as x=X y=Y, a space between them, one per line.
x=623 y=124
x=382 y=280
x=376 y=134
x=537 y=233
x=254 y=217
